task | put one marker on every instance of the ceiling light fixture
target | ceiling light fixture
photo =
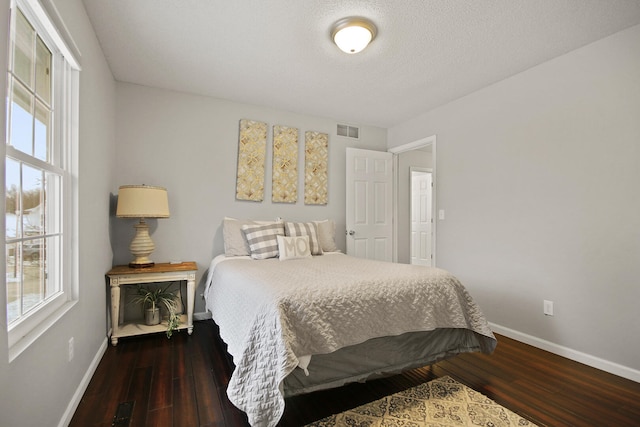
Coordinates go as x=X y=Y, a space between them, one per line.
x=353 y=34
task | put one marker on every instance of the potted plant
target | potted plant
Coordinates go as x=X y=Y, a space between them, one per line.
x=151 y=299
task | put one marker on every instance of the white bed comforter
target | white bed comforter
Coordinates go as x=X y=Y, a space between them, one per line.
x=272 y=312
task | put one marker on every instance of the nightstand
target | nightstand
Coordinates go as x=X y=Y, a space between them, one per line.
x=124 y=275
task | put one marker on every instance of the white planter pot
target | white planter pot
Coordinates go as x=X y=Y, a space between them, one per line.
x=152 y=316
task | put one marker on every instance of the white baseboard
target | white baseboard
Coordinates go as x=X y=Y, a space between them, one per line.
x=82 y=387
x=202 y=316
x=578 y=356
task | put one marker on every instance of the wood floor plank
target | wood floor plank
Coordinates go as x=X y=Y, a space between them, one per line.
x=542 y=387
x=148 y=352
x=139 y=394
x=162 y=417
x=185 y=409
x=161 y=393
x=210 y=409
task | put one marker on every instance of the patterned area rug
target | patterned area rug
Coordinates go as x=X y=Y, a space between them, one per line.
x=442 y=402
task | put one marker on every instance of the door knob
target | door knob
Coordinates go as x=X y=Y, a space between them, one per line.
x=351 y=232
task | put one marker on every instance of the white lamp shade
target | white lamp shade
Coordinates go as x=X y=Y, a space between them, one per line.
x=142 y=201
x=352 y=35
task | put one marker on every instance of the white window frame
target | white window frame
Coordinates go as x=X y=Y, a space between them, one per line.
x=65 y=89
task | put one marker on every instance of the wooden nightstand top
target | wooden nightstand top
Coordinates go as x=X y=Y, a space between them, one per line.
x=157 y=268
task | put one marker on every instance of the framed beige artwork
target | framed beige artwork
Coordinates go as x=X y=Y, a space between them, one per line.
x=284 y=177
x=252 y=149
x=316 y=160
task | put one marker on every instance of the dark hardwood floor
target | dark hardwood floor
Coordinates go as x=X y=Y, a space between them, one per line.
x=182 y=382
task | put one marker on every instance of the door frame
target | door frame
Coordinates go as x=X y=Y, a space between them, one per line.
x=420 y=143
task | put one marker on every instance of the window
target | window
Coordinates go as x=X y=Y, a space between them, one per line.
x=41 y=138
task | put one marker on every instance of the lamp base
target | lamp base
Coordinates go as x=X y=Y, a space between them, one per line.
x=141 y=265
x=141 y=246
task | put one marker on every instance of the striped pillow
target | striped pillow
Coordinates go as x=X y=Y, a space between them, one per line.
x=305 y=229
x=262 y=239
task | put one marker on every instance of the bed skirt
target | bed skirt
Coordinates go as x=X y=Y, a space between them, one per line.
x=380 y=357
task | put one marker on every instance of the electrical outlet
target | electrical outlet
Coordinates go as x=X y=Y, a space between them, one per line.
x=548 y=308
x=70 y=349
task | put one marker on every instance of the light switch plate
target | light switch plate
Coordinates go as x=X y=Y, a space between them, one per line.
x=548 y=308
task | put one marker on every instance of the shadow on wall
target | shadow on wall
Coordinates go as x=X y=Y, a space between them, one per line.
x=121 y=232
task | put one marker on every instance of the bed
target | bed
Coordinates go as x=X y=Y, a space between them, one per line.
x=314 y=322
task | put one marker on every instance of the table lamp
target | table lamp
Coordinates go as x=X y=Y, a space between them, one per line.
x=142 y=201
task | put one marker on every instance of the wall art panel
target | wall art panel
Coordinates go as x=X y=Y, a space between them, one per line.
x=252 y=148
x=316 y=162
x=284 y=175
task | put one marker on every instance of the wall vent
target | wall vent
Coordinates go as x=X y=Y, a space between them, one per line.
x=349 y=131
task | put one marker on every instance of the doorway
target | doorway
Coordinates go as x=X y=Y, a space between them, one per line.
x=421 y=215
x=420 y=154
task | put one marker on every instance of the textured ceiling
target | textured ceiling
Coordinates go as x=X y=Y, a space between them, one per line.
x=278 y=53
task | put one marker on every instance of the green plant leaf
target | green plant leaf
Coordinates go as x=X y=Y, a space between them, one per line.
x=159 y=296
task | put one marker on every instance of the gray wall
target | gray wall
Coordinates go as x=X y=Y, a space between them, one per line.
x=539 y=177
x=189 y=144
x=39 y=384
x=407 y=160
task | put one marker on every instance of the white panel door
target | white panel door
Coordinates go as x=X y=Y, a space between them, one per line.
x=421 y=218
x=369 y=204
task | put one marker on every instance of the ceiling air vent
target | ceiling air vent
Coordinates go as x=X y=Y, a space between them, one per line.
x=349 y=131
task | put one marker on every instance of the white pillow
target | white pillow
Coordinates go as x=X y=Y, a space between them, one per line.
x=294 y=247
x=305 y=229
x=262 y=239
x=235 y=242
x=327 y=235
